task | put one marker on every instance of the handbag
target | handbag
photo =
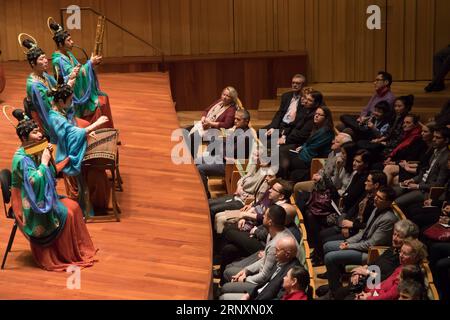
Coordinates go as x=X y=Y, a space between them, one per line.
x=319 y=203
x=437 y=232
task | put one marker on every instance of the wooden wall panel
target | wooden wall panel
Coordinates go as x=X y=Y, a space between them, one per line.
x=332 y=32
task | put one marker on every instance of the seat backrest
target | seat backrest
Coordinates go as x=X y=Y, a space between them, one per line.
x=5 y=181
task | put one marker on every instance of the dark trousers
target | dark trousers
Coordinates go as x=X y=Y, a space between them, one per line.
x=441 y=66
x=328 y=234
x=237 y=244
x=223 y=203
x=314 y=224
x=423 y=217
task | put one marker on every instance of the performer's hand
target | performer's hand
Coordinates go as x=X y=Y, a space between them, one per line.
x=102 y=120
x=75 y=72
x=93 y=135
x=71 y=82
x=46 y=156
x=96 y=60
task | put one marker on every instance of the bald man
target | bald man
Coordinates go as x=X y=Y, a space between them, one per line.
x=286 y=256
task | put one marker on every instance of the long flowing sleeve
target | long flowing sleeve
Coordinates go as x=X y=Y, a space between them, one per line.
x=72 y=143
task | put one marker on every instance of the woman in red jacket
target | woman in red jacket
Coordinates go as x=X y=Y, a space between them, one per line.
x=412 y=254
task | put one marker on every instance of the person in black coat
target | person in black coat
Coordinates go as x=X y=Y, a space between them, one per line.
x=290 y=110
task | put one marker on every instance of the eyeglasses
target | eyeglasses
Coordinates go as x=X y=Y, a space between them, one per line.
x=297 y=82
x=379 y=198
x=275 y=190
x=319 y=114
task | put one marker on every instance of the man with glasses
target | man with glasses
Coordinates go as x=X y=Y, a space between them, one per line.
x=382 y=84
x=290 y=109
x=378 y=232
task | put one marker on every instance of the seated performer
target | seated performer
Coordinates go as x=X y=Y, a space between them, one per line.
x=39 y=82
x=90 y=103
x=54 y=225
x=72 y=143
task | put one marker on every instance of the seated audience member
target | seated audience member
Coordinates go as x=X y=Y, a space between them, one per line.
x=388 y=261
x=431 y=211
x=399 y=169
x=377 y=232
x=290 y=111
x=311 y=100
x=376 y=125
x=253 y=213
x=355 y=219
x=412 y=254
x=434 y=175
x=247 y=187
x=411 y=145
x=296 y=284
x=297 y=165
x=286 y=256
x=441 y=66
x=333 y=161
x=219 y=115
x=249 y=235
x=317 y=220
x=241 y=277
x=411 y=290
x=383 y=92
x=242 y=141
x=402 y=107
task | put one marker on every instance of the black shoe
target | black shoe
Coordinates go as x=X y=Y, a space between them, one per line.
x=322 y=275
x=317 y=262
x=431 y=87
x=322 y=290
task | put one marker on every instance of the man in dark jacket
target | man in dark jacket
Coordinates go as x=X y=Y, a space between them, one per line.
x=290 y=109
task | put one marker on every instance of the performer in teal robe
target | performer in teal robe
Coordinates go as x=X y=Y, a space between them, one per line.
x=89 y=102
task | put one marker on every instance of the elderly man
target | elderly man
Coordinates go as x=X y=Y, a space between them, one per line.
x=286 y=256
x=290 y=109
x=378 y=232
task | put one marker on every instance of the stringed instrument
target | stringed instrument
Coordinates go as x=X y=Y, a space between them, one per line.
x=2 y=77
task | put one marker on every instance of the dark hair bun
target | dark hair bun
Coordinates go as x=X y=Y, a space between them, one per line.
x=54 y=26
x=28 y=43
x=410 y=99
x=18 y=114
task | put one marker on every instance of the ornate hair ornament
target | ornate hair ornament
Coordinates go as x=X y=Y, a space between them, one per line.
x=5 y=107
x=58 y=32
x=30 y=48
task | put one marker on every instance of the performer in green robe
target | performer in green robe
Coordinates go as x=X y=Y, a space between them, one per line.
x=53 y=224
x=89 y=102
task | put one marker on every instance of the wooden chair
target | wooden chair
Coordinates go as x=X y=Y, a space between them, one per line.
x=432 y=292
x=398 y=212
x=312 y=282
x=374 y=252
x=303 y=231
x=435 y=193
x=316 y=165
x=307 y=249
x=5 y=181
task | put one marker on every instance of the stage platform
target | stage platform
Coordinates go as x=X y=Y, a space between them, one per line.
x=161 y=249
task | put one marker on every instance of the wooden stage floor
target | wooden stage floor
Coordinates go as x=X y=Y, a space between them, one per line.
x=162 y=247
